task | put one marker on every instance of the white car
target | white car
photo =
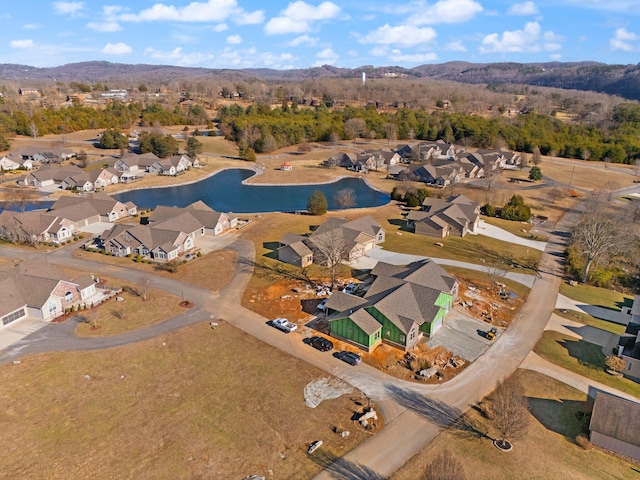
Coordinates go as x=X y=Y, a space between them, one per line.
x=284 y=325
x=322 y=306
x=351 y=289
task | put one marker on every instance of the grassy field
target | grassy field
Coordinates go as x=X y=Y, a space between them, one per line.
x=112 y=317
x=587 y=319
x=212 y=271
x=548 y=450
x=602 y=297
x=583 y=358
x=195 y=403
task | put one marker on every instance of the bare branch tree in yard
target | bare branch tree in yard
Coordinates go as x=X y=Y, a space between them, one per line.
x=390 y=132
x=490 y=179
x=345 y=198
x=536 y=156
x=508 y=410
x=330 y=249
x=144 y=284
x=444 y=467
x=20 y=197
x=355 y=127
x=601 y=232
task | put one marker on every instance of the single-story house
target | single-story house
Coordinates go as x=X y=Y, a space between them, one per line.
x=215 y=223
x=14 y=162
x=48 y=175
x=294 y=251
x=615 y=425
x=88 y=209
x=455 y=215
x=286 y=166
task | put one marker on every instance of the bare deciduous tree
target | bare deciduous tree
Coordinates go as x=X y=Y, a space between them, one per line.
x=21 y=197
x=330 y=249
x=345 y=198
x=390 y=132
x=354 y=127
x=536 y=156
x=508 y=410
x=444 y=467
x=143 y=286
x=334 y=138
x=250 y=134
x=602 y=231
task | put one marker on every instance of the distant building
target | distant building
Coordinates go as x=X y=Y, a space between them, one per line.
x=116 y=94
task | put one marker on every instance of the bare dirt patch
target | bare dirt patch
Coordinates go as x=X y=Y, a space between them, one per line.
x=196 y=403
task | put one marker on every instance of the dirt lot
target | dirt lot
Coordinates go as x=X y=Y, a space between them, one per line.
x=195 y=403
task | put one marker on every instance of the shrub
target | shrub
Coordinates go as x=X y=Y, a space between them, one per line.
x=535 y=174
x=615 y=363
x=582 y=440
x=489 y=210
x=199 y=254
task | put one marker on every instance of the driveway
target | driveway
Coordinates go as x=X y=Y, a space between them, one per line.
x=607 y=340
x=97 y=228
x=498 y=233
x=461 y=336
x=603 y=313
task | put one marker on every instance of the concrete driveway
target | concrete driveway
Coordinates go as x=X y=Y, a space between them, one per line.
x=461 y=336
x=492 y=231
x=621 y=317
x=97 y=228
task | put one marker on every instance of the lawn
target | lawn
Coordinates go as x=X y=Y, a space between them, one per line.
x=133 y=312
x=548 y=449
x=196 y=403
x=212 y=271
x=516 y=228
x=587 y=319
x=601 y=297
x=583 y=358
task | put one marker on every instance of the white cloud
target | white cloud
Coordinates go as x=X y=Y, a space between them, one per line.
x=526 y=8
x=398 y=57
x=28 y=43
x=621 y=40
x=529 y=39
x=31 y=26
x=68 y=8
x=326 y=57
x=209 y=11
x=303 y=40
x=629 y=6
x=221 y=27
x=234 y=39
x=443 y=11
x=299 y=16
x=116 y=49
x=177 y=57
x=110 y=22
x=456 y=46
x=402 y=35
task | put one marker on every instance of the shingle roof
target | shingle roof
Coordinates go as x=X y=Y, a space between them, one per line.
x=616 y=417
x=365 y=321
x=342 y=302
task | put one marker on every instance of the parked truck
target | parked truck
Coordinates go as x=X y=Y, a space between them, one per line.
x=284 y=325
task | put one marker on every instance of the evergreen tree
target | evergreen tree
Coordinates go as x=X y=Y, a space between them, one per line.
x=317 y=203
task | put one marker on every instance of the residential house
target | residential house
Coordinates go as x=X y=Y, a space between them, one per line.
x=36 y=226
x=419 y=173
x=48 y=175
x=28 y=92
x=214 y=223
x=174 y=165
x=629 y=343
x=80 y=182
x=37 y=289
x=89 y=209
x=336 y=237
x=103 y=177
x=455 y=215
x=286 y=167
x=340 y=160
x=14 y=161
x=615 y=425
x=131 y=162
x=402 y=305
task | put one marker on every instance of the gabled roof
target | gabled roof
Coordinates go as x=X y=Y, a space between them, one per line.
x=183 y=222
x=616 y=417
x=343 y=302
x=365 y=321
x=298 y=248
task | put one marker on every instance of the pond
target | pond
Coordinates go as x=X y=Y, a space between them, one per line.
x=225 y=192
x=28 y=207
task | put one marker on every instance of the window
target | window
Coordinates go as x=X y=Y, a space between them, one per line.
x=52 y=307
x=13 y=316
x=413 y=334
x=629 y=366
x=402 y=338
x=377 y=335
x=349 y=329
x=387 y=333
x=68 y=297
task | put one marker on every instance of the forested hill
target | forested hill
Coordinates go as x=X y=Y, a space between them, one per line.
x=622 y=80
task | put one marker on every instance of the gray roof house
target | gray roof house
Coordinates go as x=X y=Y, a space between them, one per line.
x=615 y=425
x=455 y=215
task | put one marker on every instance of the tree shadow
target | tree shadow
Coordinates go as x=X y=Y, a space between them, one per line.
x=587 y=354
x=342 y=469
x=442 y=415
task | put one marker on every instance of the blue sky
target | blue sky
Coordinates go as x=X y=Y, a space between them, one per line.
x=301 y=34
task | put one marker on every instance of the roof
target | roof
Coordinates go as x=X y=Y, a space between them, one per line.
x=635 y=308
x=616 y=417
x=365 y=321
x=299 y=248
x=342 y=302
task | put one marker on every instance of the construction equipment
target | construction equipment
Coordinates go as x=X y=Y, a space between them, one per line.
x=491 y=334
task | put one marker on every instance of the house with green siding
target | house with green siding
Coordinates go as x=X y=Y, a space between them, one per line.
x=403 y=304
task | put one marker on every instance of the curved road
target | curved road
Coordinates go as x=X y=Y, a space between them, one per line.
x=414 y=413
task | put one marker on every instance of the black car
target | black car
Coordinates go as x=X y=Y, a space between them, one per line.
x=349 y=357
x=321 y=343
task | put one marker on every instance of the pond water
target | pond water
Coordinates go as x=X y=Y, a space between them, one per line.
x=225 y=192
x=28 y=207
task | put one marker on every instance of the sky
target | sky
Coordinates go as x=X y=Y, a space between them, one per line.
x=301 y=34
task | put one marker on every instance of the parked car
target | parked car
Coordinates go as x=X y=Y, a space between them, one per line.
x=322 y=306
x=349 y=357
x=351 y=289
x=284 y=325
x=321 y=343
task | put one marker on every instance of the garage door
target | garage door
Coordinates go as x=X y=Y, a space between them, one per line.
x=435 y=326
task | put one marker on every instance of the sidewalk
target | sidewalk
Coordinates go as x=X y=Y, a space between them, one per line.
x=538 y=364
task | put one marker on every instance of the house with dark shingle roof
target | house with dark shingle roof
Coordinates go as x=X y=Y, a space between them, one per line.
x=615 y=425
x=455 y=215
x=353 y=238
x=402 y=304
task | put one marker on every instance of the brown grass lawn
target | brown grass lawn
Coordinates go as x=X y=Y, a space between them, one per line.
x=548 y=450
x=212 y=271
x=516 y=228
x=195 y=403
x=135 y=312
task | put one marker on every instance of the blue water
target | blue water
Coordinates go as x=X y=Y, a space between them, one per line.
x=30 y=206
x=224 y=192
